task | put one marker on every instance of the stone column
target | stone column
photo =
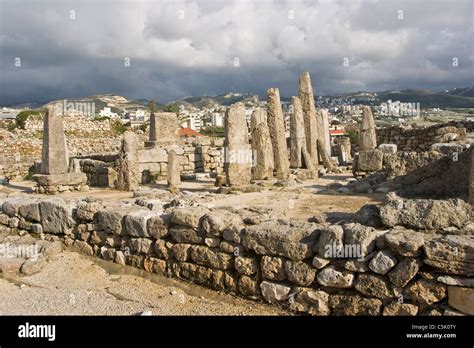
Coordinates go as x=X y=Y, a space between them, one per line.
x=258 y=116
x=54 y=156
x=237 y=151
x=309 y=114
x=325 y=136
x=173 y=171
x=367 y=136
x=164 y=129
x=128 y=172
x=276 y=126
x=325 y=158
x=471 y=176
x=344 y=149
x=297 y=134
x=261 y=146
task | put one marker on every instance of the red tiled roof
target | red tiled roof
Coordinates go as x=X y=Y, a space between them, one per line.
x=188 y=132
x=336 y=131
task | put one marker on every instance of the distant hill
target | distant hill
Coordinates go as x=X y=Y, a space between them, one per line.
x=463 y=92
x=453 y=98
x=428 y=99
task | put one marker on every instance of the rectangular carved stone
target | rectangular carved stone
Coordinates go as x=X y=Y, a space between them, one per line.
x=238 y=155
x=276 y=126
x=54 y=157
x=164 y=129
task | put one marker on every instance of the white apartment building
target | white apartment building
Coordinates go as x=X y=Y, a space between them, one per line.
x=193 y=121
x=107 y=112
x=217 y=120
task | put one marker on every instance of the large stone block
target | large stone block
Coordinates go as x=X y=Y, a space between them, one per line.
x=190 y=216
x=424 y=213
x=461 y=299
x=56 y=216
x=370 y=161
x=451 y=254
x=164 y=129
x=269 y=238
x=66 y=179
x=136 y=222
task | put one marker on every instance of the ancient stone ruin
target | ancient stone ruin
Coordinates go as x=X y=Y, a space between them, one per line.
x=302 y=220
x=54 y=176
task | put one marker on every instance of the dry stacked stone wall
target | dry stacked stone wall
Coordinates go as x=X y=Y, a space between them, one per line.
x=318 y=269
x=421 y=139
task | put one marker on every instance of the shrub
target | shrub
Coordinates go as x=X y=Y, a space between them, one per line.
x=118 y=127
x=21 y=118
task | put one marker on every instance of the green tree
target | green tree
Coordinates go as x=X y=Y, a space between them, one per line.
x=21 y=118
x=171 y=108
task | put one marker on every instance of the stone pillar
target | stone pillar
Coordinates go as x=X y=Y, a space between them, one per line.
x=344 y=148
x=173 y=171
x=258 y=116
x=128 y=172
x=325 y=136
x=164 y=129
x=237 y=151
x=325 y=158
x=309 y=114
x=54 y=156
x=276 y=126
x=367 y=136
x=471 y=177
x=261 y=146
x=297 y=134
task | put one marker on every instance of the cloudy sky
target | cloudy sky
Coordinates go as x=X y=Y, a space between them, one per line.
x=171 y=49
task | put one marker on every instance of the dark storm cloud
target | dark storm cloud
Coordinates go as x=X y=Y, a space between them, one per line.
x=181 y=48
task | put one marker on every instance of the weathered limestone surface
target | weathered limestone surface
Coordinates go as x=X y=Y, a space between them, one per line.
x=343 y=146
x=370 y=160
x=54 y=158
x=471 y=178
x=297 y=134
x=462 y=299
x=451 y=254
x=309 y=113
x=367 y=136
x=71 y=179
x=424 y=213
x=173 y=171
x=164 y=129
x=323 y=154
x=269 y=238
x=261 y=146
x=276 y=126
x=238 y=152
x=259 y=115
x=127 y=176
x=322 y=126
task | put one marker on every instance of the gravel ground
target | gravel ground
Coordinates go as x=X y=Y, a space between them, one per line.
x=72 y=284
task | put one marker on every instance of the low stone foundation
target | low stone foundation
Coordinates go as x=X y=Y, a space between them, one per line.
x=319 y=269
x=52 y=184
